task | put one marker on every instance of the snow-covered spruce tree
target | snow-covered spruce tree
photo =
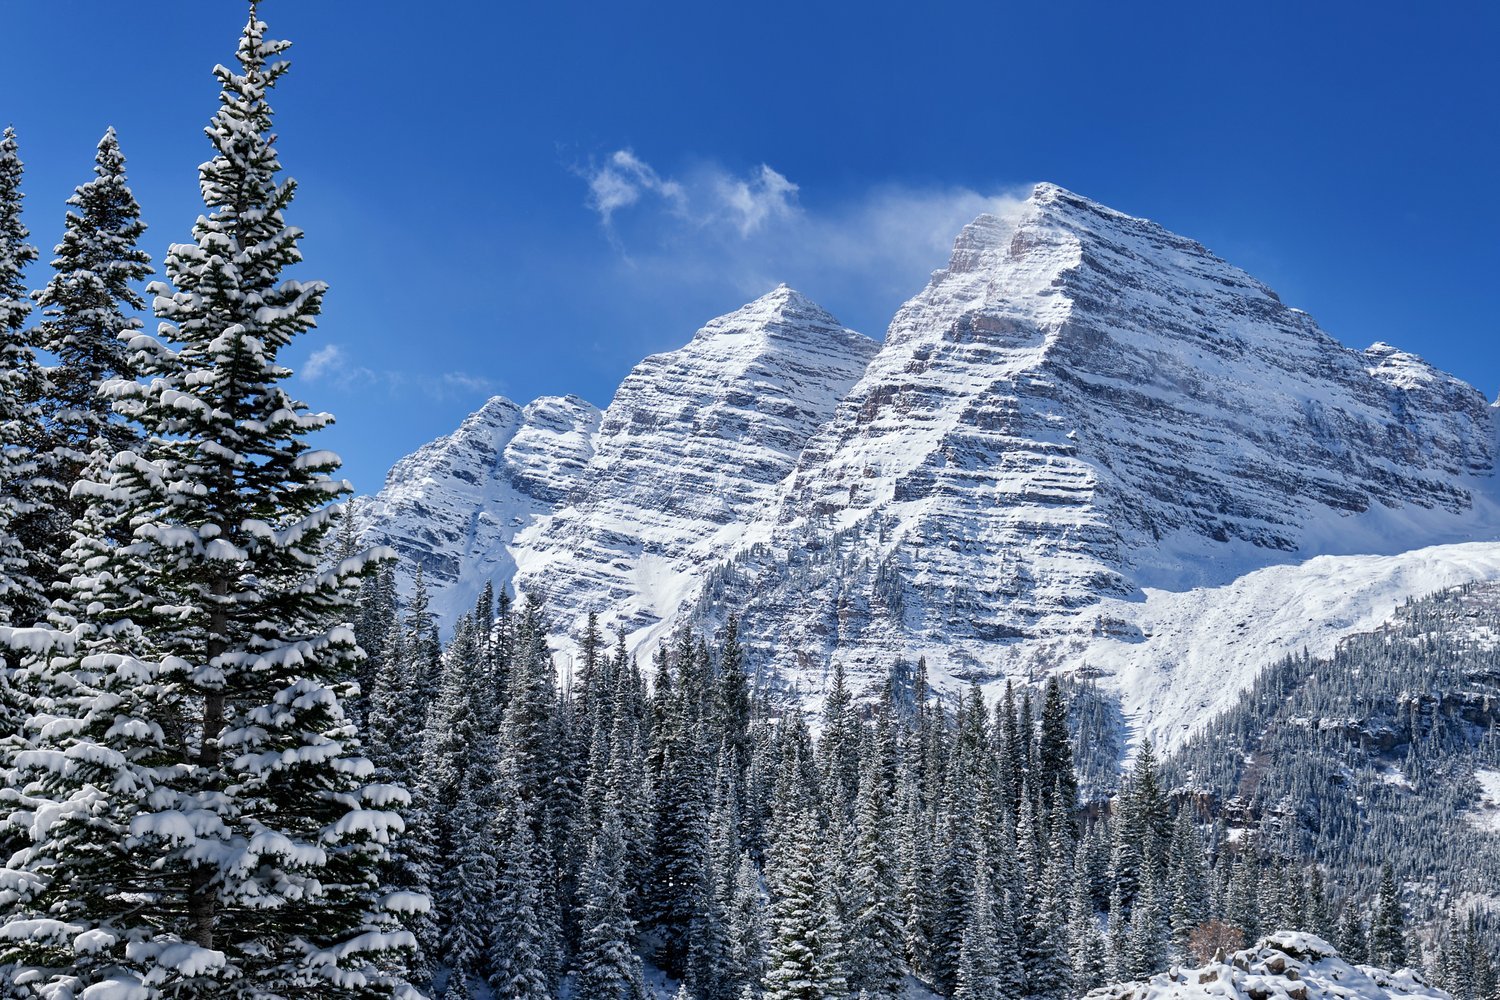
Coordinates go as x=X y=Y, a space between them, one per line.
x=747 y=929
x=520 y=943
x=395 y=746
x=876 y=965
x=84 y=315
x=681 y=877
x=1054 y=753
x=1388 y=924
x=20 y=594
x=1085 y=942
x=608 y=968
x=250 y=837
x=1188 y=873
x=460 y=780
x=1150 y=934
x=802 y=959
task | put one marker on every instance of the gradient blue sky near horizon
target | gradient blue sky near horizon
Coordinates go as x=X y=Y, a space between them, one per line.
x=528 y=200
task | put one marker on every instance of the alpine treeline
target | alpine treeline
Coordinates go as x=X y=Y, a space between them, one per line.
x=186 y=810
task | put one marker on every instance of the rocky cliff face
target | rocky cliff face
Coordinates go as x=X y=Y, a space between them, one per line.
x=1084 y=429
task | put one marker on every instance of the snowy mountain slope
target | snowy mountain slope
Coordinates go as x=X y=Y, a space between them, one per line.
x=1178 y=658
x=1284 y=966
x=455 y=505
x=1084 y=408
x=689 y=452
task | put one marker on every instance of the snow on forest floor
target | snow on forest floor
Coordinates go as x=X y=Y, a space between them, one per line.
x=1486 y=813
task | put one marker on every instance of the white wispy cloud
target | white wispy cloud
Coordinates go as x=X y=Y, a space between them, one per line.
x=750 y=230
x=708 y=198
x=624 y=179
x=331 y=366
x=751 y=202
x=326 y=359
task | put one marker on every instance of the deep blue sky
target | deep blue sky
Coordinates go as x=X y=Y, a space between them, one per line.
x=1343 y=152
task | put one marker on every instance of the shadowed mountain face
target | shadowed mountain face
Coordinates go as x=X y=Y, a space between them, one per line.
x=1081 y=410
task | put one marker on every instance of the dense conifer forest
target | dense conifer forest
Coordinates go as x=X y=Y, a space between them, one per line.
x=756 y=853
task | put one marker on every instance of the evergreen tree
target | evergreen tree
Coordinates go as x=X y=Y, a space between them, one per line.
x=21 y=597
x=1085 y=943
x=802 y=959
x=423 y=646
x=1188 y=873
x=1119 y=960
x=465 y=893
x=1149 y=933
x=1054 y=754
x=732 y=709
x=84 y=318
x=251 y=828
x=747 y=931
x=1050 y=973
x=1319 y=917
x=1388 y=924
x=681 y=884
x=838 y=748
x=1244 y=896
x=876 y=966
x=608 y=968
x=1353 y=943
x=458 y=988
x=519 y=944
x=461 y=784
x=378 y=616
x=979 y=974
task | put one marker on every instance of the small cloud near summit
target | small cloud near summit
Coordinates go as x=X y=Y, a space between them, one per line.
x=621 y=182
x=710 y=197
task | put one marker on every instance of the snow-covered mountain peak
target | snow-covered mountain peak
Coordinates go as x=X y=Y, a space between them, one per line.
x=454 y=505
x=1082 y=408
x=1406 y=370
x=783 y=319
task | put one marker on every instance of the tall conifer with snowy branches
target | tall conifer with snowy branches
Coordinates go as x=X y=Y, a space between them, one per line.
x=201 y=820
x=19 y=591
x=84 y=313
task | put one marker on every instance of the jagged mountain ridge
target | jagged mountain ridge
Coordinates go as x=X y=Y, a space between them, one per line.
x=1083 y=404
x=1082 y=410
